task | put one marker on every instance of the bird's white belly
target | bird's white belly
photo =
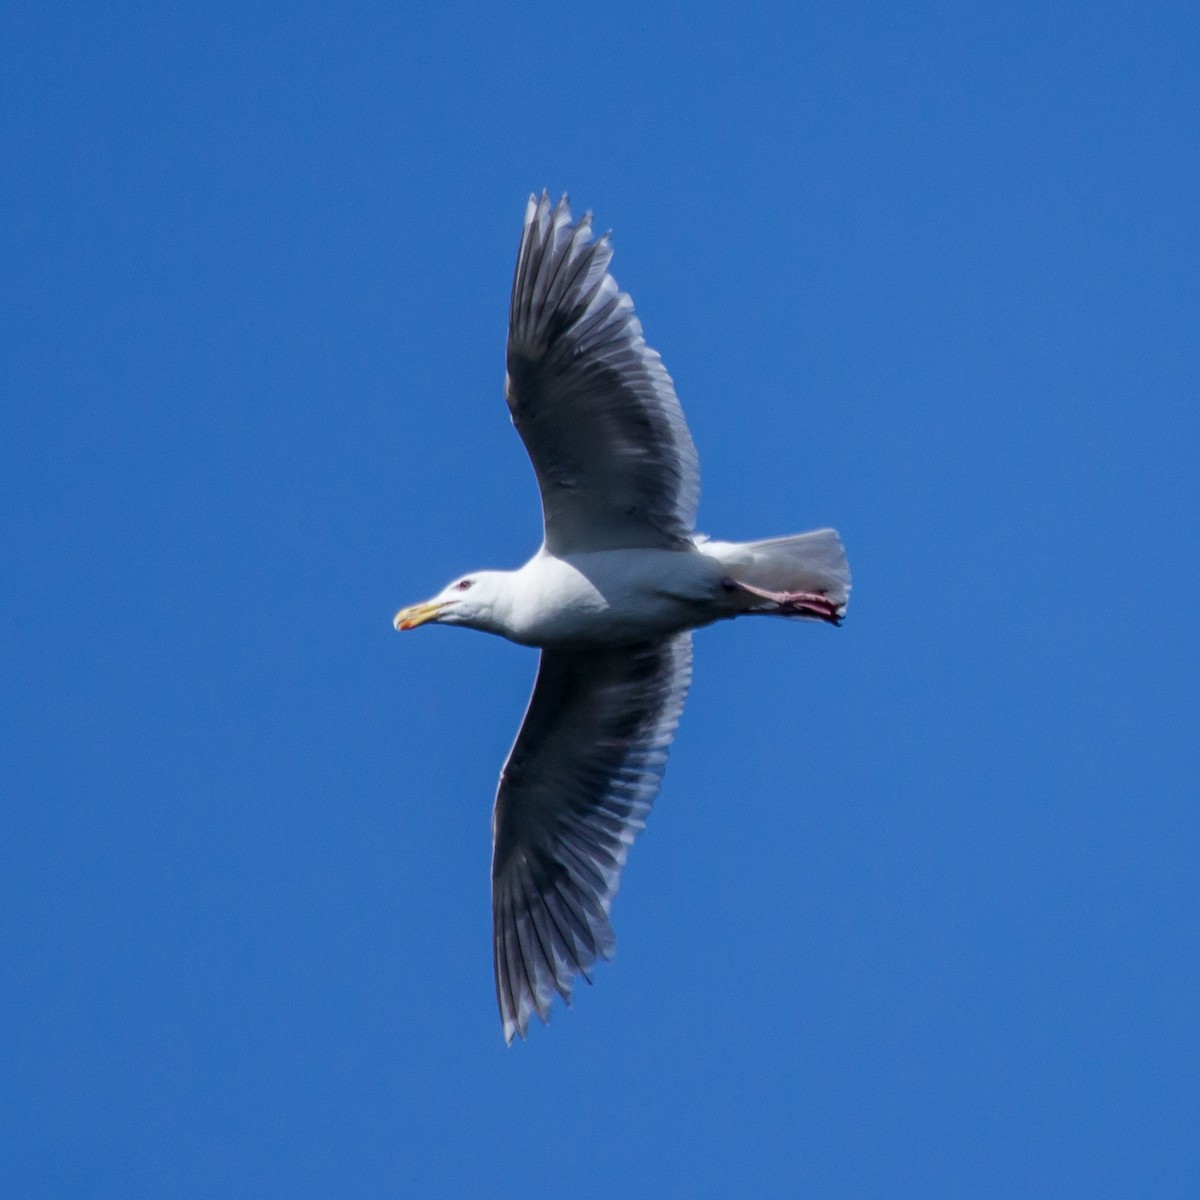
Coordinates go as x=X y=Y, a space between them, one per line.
x=613 y=597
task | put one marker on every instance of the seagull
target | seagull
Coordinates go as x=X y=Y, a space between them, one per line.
x=610 y=599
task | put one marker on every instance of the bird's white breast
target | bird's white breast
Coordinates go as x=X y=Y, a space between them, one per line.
x=611 y=597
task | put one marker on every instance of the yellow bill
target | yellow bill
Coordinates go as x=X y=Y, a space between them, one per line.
x=417 y=614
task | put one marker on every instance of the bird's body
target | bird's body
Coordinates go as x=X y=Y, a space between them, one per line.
x=610 y=598
x=620 y=597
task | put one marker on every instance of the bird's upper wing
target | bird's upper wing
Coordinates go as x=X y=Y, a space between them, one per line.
x=592 y=402
x=574 y=793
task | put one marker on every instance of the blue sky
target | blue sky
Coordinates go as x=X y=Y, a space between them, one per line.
x=916 y=912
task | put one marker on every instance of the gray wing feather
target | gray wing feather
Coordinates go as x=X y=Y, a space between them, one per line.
x=575 y=792
x=593 y=404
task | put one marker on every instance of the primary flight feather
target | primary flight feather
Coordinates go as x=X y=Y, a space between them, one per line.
x=610 y=598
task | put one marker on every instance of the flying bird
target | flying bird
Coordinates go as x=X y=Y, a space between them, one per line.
x=610 y=598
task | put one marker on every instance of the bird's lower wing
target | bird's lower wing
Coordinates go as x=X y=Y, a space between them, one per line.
x=573 y=795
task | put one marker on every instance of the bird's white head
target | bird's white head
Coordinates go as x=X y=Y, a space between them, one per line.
x=472 y=600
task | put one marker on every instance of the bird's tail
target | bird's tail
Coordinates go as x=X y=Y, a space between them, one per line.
x=805 y=562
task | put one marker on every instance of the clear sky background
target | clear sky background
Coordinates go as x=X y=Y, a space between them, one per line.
x=916 y=912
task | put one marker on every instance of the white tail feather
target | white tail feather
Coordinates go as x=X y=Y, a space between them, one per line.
x=804 y=562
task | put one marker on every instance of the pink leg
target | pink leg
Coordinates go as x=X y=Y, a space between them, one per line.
x=797 y=604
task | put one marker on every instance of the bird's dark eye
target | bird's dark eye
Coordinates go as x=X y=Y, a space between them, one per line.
x=463 y=584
